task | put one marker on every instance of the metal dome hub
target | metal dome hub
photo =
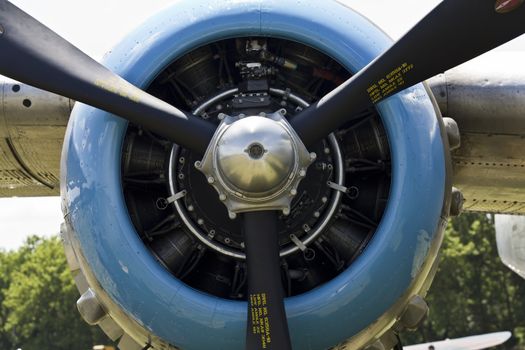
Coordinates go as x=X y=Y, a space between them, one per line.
x=255 y=162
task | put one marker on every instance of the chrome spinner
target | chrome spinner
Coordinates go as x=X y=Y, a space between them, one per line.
x=255 y=162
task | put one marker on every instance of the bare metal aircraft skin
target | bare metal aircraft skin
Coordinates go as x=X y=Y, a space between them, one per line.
x=341 y=230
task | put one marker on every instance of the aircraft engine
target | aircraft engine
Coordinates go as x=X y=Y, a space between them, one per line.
x=158 y=258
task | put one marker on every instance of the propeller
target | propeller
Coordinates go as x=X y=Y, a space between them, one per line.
x=453 y=33
x=33 y=54
x=464 y=29
x=267 y=327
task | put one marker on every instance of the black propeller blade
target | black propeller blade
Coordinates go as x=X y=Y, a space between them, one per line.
x=267 y=326
x=32 y=53
x=454 y=32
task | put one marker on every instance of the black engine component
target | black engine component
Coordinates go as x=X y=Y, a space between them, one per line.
x=180 y=217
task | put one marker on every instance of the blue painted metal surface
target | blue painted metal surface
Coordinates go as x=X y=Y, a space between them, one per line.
x=92 y=194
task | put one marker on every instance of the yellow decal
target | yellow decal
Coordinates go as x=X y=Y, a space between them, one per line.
x=390 y=83
x=119 y=88
x=260 y=319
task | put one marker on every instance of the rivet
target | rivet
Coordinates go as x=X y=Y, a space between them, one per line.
x=211 y=180
x=222 y=197
x=198 y=164
x=232 y=215
x=286 y=211
x=1 y=30
x=190 y=207
x=313 y=156
x=293 y=191
x=302 y=173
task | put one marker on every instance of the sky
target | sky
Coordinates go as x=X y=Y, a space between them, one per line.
x=95 y=26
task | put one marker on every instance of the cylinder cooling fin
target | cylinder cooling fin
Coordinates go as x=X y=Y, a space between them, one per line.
x=157 y=246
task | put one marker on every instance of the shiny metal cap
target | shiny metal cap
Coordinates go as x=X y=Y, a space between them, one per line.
x=255 y=156
x=255 y=162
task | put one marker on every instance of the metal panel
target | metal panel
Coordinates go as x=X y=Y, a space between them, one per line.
x=486 y=97
x=32 y=127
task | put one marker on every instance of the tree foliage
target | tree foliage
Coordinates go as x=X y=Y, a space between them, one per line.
x=38 y=297
x=473 y=292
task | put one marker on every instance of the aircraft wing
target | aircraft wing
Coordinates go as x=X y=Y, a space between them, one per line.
x=487 y=100
x=32 y=127
x=474 y=342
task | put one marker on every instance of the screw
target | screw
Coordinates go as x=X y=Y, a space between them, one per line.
x=313 y=156
x=211 y=180
x=286 y=211
x=232 y=215
x=293 y=191
x=221 y=116
x=317 y=214
x=190 y=207
x=302 y=173
x=198 y=164
x=327 y=150
x=200 y=222
x=324 y=199
x=222 y=197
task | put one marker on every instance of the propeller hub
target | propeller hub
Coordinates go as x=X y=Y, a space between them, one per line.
x=255 y=156
x=255 y=162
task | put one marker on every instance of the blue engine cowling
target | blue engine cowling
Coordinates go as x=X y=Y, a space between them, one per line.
x=130 y=295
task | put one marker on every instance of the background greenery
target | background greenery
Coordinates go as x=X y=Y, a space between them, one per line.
x=473 y=293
